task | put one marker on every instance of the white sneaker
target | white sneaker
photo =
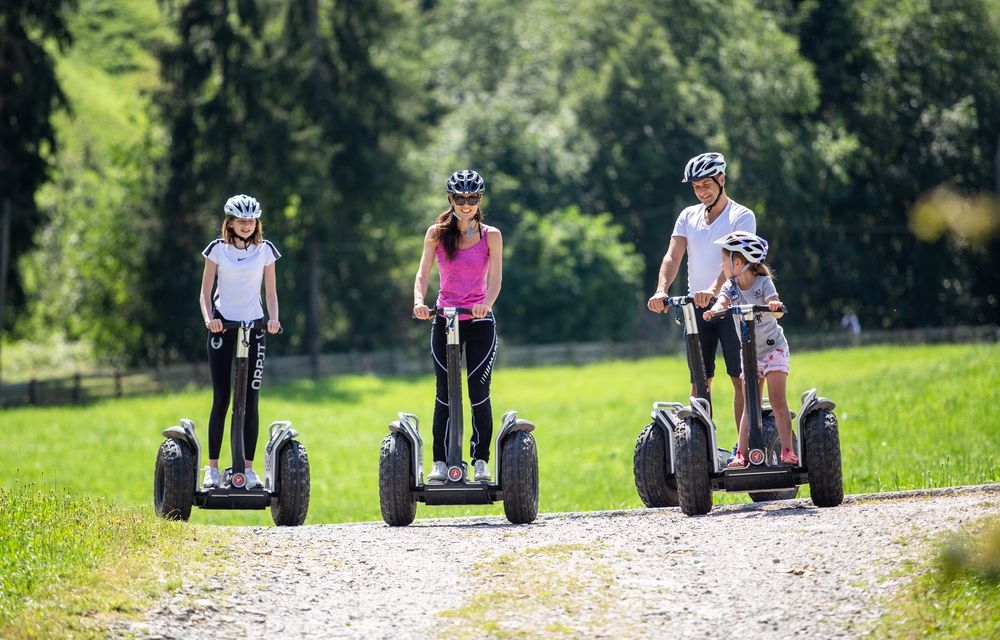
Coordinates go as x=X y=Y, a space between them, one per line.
x=481 y=471
x=439 y=472
x=253 y=482
x=211 y=478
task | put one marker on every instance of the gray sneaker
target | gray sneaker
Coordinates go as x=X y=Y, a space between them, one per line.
x=439 y=472
x=481 y=471
x=253 y=482
x=211 y=478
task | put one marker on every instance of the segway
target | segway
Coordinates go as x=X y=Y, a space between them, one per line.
x=400 y=470
x=286 y=466
x=699 y=470
x=653 y=459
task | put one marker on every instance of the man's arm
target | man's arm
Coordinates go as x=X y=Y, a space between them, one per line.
x=668 y=271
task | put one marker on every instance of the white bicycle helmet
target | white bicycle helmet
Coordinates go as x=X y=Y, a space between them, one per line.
x=753 y=248
x=705 y=165
x=466 y=181
x=242 y=206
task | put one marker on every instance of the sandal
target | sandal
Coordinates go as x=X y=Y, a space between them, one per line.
x=739 y=461
x=789 y=457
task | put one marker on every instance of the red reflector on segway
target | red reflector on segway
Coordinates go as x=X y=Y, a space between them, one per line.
x=238 y=480
x=756 y=456
x=455 y=474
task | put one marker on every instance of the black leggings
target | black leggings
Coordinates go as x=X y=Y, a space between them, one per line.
x=221 y=349
x=479 y=339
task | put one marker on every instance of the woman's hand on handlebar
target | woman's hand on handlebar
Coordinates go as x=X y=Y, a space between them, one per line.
x=273 y=326
x=480 y=310
x=421 y=311
x=214 y=325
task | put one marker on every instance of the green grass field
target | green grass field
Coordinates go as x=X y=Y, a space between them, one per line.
x=910 y=417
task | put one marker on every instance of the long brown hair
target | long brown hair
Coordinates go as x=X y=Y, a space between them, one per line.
x=756 y=268
x=446 y=230
x=228 y=235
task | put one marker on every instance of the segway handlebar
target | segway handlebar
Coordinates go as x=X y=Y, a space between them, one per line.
x=744 y=308
x=436 y=311
x=680 y=301
x=257 y=324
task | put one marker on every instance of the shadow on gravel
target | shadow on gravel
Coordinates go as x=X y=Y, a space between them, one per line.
x=777 y=508
x=475 y=525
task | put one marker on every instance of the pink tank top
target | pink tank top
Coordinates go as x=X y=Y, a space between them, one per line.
x=463 y=280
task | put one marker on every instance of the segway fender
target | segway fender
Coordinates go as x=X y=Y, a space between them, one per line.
x=664 y=414
x=409 y=425
x=280 y=433
x=185 y=433
x=810 y=402
x=701 y=411
x=508 y=425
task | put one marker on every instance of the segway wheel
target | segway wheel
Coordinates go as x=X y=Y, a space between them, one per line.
x=174 y=480
x=519 y=477
x=692 y=467
x=772 y=456
x=822 y=458
x=657 y=487
x=292 y=504
x=396 y=481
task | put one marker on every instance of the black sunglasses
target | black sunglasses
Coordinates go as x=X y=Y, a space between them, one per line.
x=464 y=200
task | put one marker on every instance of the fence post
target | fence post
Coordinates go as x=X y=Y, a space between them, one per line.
x=118 y=384
x=32 y=392
x=76 y=387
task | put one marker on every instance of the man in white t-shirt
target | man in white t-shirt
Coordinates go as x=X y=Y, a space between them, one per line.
x=695 y=232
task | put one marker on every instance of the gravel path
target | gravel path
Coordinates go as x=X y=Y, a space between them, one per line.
x=776 y=570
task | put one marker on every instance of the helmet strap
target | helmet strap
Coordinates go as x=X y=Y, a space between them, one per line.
x=714 y=202
x=470 y=228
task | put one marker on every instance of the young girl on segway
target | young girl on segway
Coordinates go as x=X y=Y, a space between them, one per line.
x=750 y=282
x=469 y=255
x=239 y=260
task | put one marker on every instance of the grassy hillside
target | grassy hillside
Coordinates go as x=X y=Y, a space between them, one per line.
x=910 y=417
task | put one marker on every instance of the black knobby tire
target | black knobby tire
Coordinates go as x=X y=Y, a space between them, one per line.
x=174 y=480
x=292 y=504
x=772 y=456
x=657 y=487
x=395 y=481
x=519 y=477
x=692 y=466
x=821 y=436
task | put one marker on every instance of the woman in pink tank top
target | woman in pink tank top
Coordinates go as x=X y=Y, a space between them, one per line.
x=469 y=255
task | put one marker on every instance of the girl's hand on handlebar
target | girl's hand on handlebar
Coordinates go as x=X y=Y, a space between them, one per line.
x=776 y=307
x=273 y=326
x=480 y=310
x=421 y=311
x=214 y=325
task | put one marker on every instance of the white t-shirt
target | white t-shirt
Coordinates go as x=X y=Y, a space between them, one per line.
x=704 y=256
x=240 y=274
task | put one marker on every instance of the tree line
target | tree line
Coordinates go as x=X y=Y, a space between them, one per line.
x=865 y=137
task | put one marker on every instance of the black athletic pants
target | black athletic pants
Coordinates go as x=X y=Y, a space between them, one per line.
x=479 y=340
x=221 y=352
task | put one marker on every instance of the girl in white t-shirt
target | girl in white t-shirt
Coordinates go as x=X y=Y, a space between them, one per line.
x=750 y=282
x=235 y=266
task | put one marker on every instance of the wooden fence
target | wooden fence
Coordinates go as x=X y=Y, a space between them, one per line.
x=84 y=387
